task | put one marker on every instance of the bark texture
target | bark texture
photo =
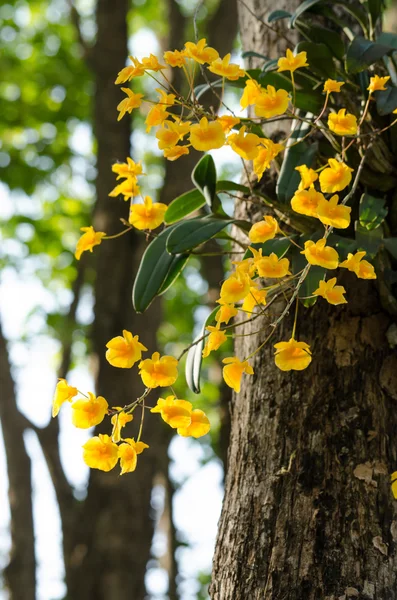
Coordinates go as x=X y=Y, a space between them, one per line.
x=308 y=512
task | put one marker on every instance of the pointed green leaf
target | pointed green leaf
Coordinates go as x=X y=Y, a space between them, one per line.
x=204 y=177
x=252 y=54
x=184 y=205
x=362 y=53
x=193 y=233
x=301 y=9
x=155 y=265
x=231 y=186
x=277 y=15
x=375 y=10
x=194 y=357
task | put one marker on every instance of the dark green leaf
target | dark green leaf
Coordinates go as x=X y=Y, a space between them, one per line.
x=269 y=65
x=279 y=246
x=372 y=211
x=194 y=357
x=184 y=205
x=368 y=240
x=362 y=53
x=301 y=9
x=386 y=100
x=391 y=245
x=277 y=15
x=375 y=10
x=155 y=264
x=388 y=39
x=289 y=178
x=343 y=245
x=192 y=233
x=231 y=186
x=252 y=54
x=309 y=101
x=325 y=36
x=319 y=58
x=244 y=225
x=177 y=266
x=201 y=89
x=204 y=178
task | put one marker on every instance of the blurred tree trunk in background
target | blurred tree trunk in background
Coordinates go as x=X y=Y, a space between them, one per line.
x=20 y=573
x=111 y=540
x=308 y=512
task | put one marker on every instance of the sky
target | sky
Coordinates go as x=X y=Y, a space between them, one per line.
x=197 y=502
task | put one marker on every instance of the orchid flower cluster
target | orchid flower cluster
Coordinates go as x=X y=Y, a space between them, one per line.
x=263 y=274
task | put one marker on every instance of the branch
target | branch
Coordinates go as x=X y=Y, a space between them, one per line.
x=76 y=22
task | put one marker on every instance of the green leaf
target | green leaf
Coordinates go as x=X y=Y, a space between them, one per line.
x=269 y=65
x=279 y=246
x=319 y=58
x=343 y=245
x=372 y=211
x=176 y=268
x=309 y=101
x=231 y=186
x=194 y=357
x=391 y=246
x=300 y=10
x=204 y=178
x=322 y=35
x=388 y=39
x=289 y=178
x=155 y=265
x=386 y=100
x=184 y=205
x=201 y=89
x=362 y=53
x=192 y=233
x=252 y=54
x=277 y=15
x=375 y=10
x=368 y=239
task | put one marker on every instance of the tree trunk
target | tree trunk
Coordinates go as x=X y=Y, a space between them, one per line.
x=308 y=512
x=20 y=573
x=114 y=528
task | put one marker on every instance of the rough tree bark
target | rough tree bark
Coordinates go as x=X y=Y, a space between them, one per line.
x=308 y=513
